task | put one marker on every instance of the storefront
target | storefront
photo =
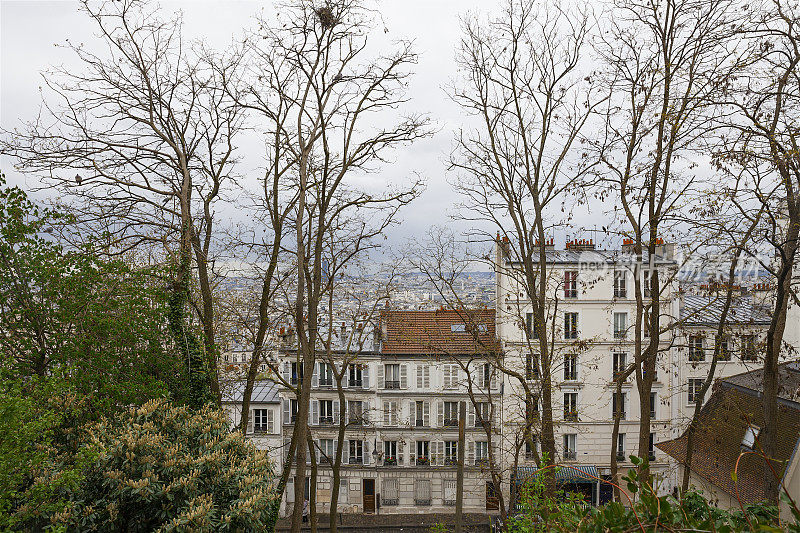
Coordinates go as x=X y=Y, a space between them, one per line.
x=583 y=480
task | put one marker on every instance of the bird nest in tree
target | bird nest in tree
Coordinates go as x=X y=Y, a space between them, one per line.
x=326 y=16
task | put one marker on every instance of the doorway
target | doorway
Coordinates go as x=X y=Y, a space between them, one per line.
x=369 y=495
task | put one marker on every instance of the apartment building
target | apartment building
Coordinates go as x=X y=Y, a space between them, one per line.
x=590 y=317
x=401 y=407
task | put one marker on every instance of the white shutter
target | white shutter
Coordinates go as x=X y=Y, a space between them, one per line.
x=315 y=376
x=403 y=376
x=290 y=490
x=366 y=452
x=440 y=414
x=400 y=452
x=471 y=453
x=335 y=411
x=250 y=421
x=287 y=416
x=287 y=372
x=380 y=376
x=270 y=420
x=315 y=412
x=493 y=378
x=427 y=376
x=471 y=415
x=365 y=411
x=365 y=376
x=385 y=413
x=345 y=452
x=419 y=376
x=413 y=453
x=345 y=376
x=426 y=414
x=412 y=412
x=446 y=376
x=480 y=382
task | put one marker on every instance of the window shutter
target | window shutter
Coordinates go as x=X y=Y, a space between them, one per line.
x=385 y=413
x=290 y=490
x=345 y=452
x=413 y=452
x=481 y=383
x=365 y=411
x=440 y=417
x=346 y=377
x=446 y=376
x=380 y=376
x=400 y=452
x=315 y=376
x=271 y=420
x=420 y=376
x=412 y=413
x=366 y=452
x=287 y=372
x=287 y=417
x=335 y=411
x=250 y=420
x=493 y=378
x=365 y=376
x=426 y=414
x=427 y=377
x=403 y=376
x=471 y=415
x=471 y=453
x=343 y=486
x=315 y=412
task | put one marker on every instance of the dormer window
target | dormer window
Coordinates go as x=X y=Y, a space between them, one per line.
x=750 y=436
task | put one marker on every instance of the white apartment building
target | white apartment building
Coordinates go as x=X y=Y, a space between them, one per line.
x=401 y=407
x=590 y=315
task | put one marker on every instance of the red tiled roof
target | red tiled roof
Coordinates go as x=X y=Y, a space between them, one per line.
x=440 y=332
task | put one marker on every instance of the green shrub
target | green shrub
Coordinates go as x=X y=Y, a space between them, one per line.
x=158 y=468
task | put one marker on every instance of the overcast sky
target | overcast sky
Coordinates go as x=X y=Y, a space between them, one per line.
x=29 y=30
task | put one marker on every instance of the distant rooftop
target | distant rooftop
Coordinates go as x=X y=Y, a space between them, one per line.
x=439 y=332
x=707 y=310
x=264 y=391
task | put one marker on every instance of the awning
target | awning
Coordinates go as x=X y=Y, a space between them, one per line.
x=564 y=474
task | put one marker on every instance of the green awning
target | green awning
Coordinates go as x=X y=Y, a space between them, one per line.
x=564 y=474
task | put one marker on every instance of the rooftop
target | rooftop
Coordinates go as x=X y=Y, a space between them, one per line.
x=440 y=332
x=707 y=310
x=264 y=391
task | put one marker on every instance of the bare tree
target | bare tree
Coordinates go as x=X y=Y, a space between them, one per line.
x=663 y=62
x=315 y=72
x=515 y=167
x=149 y=131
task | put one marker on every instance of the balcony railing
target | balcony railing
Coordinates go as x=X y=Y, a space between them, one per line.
x=570 y=455
x=422 y=501
x=355 y=460
x=423 y=461
x=450 y=461
x=651 y=456
x=420 y=423
x=621 y=457
x=391 y=384
x=260 y=429
x=390 y=461
x=571 y=416
x=355 y=384
x=326 y=420
x=482 y=461
x=451 y=422
x=390 y=501
x=326 y=383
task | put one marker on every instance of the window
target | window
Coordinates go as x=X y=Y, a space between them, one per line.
x=392 y=376
x=570 y=446
x=570 y=367
x=618 y=405
x=723 y=349
x=619 y=364
x=449 y=496
x=422 y=492
x=451 y=414
x=571 y=406
x=749 y=352
x=532 y=366
x=450 y=376
x=390 y=452
x=530 y=449
x=294 y=407
x=356 y=452
x=531 y=328
x=620 y=446
x=450 y=452
x=326 y=452
x=653 y=403
x=483 y=413
x=343 y=490
x=390 y=494
x=423 y=377
x=695 y=384
x=423 y=453
x=570 y=325
x=620 y=284
x=531 y=409
x=651 y=447
x=326 y=411
x=297 y=372
x=646 y=322
x=620 y=325
x=486 y=376
x=647 y=280
x=420 y=412
x=750 y=436
x=571 y=284
x=263 y=420
x=696 y=348
x=356 y=409
x=481 y=452
x=356 y=376
x=389 y=413
x=325 y=375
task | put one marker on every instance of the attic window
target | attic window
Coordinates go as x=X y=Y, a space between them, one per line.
x=462 y=328
x=750 y=436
